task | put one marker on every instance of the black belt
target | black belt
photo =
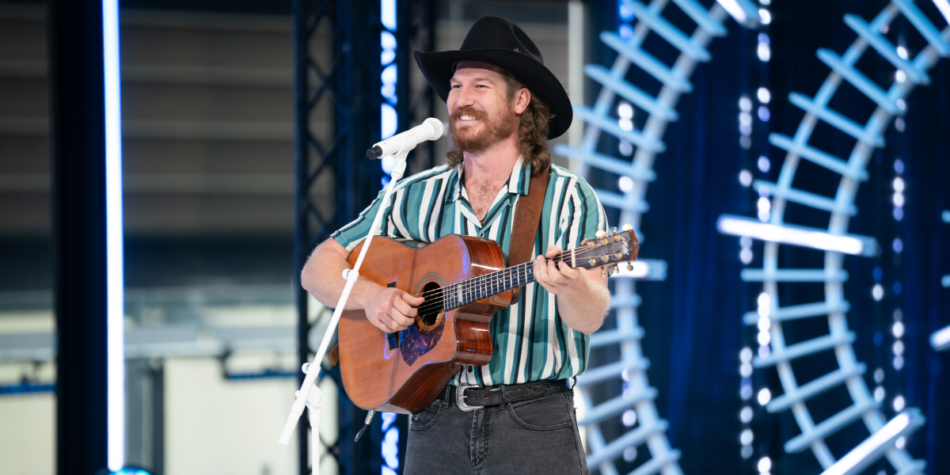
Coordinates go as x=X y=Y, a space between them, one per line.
x=476 y=397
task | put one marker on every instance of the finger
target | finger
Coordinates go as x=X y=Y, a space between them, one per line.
x=552 y=251
x=401 y=320
x=540 y=269
x=404 y=308
x=543 y=277
x=568 y=271
x=554 y=273
x=387 y=324
x=414 y=301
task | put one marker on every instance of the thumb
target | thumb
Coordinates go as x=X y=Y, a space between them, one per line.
x=414 y=301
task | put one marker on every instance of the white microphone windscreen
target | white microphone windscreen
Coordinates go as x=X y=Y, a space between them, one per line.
x=437 y=127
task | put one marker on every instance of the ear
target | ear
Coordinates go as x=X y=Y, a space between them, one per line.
x=521 y=100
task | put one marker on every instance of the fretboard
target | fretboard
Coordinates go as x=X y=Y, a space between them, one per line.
x=481 y=287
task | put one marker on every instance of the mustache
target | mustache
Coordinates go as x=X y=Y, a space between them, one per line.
x=469 y=111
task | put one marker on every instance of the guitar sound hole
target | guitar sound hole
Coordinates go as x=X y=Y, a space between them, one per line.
x=431 y=309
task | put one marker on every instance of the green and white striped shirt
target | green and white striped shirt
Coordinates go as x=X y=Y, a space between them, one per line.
x=531 y=341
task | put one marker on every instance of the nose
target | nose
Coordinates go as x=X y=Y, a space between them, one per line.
x=464 y=97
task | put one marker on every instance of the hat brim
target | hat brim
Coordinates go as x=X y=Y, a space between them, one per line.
x=437 y=67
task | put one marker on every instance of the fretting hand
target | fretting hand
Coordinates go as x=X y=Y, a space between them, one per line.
x=555 y=277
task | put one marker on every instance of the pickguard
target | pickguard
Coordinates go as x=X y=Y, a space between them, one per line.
x=413 y=343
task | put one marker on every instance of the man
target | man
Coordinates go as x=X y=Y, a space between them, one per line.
x=503 y=105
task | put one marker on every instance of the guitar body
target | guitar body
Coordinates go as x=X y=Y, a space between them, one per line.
x=407 y=378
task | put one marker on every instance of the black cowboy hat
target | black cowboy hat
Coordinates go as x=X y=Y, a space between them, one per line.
x=500 y=42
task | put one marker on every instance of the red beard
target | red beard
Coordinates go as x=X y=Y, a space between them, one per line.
x=491 y=133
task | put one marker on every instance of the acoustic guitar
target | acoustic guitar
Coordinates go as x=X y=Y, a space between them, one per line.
x=464 y=281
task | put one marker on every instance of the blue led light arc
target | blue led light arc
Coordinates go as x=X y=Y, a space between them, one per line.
x=636 y=404
x=940 y=339
x=770 y=315
x=115 y=280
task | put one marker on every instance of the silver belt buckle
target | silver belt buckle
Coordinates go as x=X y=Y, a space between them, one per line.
x=460 y=397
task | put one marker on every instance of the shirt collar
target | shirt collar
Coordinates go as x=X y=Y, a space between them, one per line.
x=517 y=183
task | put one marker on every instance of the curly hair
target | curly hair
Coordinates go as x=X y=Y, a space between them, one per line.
x=532 y=131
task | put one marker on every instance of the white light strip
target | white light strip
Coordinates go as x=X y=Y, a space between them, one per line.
x=940 y=340
x=944 y=7
x=115 y=280
x=872 y=444
x=945 y=216
x=649 y=269
x=640 y=270
x=734 y=9
x=798 y=236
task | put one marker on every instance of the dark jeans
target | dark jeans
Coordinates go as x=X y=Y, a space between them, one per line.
x=530 y=437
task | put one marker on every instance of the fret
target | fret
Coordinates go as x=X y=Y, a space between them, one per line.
x=482 y=287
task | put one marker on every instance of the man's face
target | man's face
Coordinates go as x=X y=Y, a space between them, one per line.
x=480 y=113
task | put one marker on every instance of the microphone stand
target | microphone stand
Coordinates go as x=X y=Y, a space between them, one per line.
x=309 y=395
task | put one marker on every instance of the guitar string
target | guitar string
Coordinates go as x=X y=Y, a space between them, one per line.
x=470 y=290
x=471 y=283
x=491 y=281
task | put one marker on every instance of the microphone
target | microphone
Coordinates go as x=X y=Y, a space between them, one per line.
x=430 y=129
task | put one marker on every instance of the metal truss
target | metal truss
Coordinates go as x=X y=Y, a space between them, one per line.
x=337 y=109
x=833 y=241
x=417 y=32
x=632 y=366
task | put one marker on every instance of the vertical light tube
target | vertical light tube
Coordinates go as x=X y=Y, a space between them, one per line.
x=390 y=79
x=389 y=126
x=115 y=280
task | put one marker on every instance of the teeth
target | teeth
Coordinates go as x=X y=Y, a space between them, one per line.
x=466 y=117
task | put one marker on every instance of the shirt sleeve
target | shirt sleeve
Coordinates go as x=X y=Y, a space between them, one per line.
x=583 y=215
x=355 y=232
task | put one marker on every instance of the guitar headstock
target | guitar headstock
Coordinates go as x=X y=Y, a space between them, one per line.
x=608 y=249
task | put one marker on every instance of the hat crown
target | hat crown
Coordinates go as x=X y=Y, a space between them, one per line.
x=491 y=32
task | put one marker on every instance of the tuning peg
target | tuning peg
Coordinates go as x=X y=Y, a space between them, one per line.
x=627 y=227
x=603 y=272
x=616 y=268
x=592 y=262
x=615 y=231
x=601 y=234
x=630 y=266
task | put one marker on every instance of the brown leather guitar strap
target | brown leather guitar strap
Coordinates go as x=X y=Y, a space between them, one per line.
x=527 y=218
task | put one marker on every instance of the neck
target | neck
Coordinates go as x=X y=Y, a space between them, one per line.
x=496 y=160
x=477 y=288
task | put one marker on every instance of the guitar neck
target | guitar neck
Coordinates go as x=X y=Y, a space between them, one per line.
x=484 y=286
x=592 y=253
